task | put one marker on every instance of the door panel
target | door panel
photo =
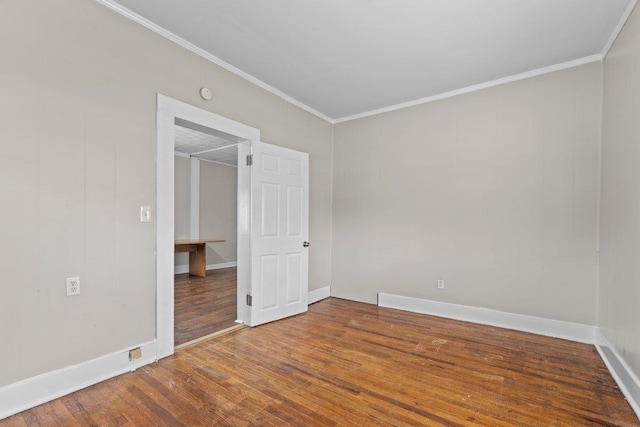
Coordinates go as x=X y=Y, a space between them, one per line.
x=294 y=278
x=280 y=226
x=270 y=210
x=294 y=211
x=269 y=281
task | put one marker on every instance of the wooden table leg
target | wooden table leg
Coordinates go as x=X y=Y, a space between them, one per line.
x=198 y=261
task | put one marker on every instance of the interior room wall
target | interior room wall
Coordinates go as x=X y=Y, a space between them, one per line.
x=495 y=191
x=219 y=211
x=619 y=314
x=78 y=137
x=182 y=205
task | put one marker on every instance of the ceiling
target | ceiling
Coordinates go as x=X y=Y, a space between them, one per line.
x=342 y=59
x=193 y=140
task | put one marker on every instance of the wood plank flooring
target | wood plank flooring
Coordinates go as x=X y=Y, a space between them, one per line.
x=204 y=305
x=352 y=364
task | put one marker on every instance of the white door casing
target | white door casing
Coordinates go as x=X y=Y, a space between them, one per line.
x=286 y=169
x=168 y=110
x=279 y=230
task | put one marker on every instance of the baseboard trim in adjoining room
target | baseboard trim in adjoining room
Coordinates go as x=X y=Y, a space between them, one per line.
x=31 y=392
x=621 y=372
x=537 y=325
x=319 y=294
x=181 y=269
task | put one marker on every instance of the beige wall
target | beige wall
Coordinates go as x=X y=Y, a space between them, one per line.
x=494 y=191
x=219 y=211
x=182 y=205
x=78 y=142
x=619 y=311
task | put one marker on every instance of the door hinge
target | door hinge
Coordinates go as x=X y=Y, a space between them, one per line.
x=249 y=159
x=249 y=300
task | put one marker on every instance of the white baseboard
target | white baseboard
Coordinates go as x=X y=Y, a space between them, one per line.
x=619 y=369
x=43 y=388
x=621 y=372
x=537 y=325
x=319 y=294
x=180 y=269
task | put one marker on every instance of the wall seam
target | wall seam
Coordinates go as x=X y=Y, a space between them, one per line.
x=333 y=128
x=599 y=192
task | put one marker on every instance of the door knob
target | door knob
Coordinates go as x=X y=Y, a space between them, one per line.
x=305 y=244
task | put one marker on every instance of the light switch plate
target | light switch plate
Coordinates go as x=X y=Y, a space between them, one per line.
x=145 y=213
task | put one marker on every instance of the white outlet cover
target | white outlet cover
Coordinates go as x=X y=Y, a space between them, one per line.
x=73 y=286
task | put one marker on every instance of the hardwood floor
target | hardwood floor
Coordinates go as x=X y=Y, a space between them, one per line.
x=204 y=305
x=353 y=364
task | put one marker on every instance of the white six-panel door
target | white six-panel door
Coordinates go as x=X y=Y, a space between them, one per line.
x=279 y=230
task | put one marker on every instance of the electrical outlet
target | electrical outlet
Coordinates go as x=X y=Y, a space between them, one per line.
x=73 y=286
x=440 y=283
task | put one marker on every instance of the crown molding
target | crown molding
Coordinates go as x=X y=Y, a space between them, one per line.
x=618 y=29
x=111 y=4
x=480 y=86
x=208 y=56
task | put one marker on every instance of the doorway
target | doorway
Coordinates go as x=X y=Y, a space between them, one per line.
x=205 y=200
x=171 y=112
x=272 y=222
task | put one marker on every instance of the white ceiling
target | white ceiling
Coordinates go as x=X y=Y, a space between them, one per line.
x=192 y=140
x=344 y=58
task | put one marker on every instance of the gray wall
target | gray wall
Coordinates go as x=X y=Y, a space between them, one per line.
x=619 y=311
x=78 y=143
x=495 y=191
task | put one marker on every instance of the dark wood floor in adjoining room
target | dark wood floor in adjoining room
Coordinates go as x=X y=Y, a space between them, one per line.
x=204 y=305
x=353 y=364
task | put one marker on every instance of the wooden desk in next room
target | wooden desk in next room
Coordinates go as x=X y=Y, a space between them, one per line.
x=197 y=249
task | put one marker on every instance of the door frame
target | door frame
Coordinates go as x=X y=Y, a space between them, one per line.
x=168 y=109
